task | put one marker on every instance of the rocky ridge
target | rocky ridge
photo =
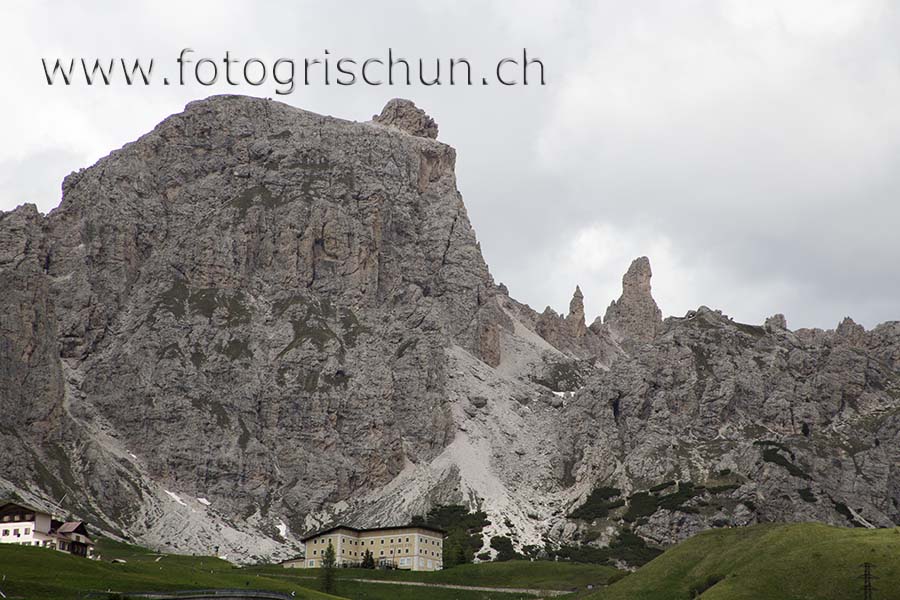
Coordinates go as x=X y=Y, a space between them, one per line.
x=255 y=321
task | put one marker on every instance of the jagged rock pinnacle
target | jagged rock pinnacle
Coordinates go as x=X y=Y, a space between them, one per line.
x=850 y=332
x=776 y=321
x=575 y=318
x=635 y=314
x=404 y=114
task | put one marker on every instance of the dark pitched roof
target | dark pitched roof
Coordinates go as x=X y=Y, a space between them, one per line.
x=365 y=530
x=64 y=530
x=70 y=526
x=6 y=503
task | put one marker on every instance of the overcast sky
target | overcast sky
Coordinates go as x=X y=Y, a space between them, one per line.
x=750 y=148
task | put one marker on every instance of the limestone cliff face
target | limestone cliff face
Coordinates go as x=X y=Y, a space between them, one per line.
x=254 y=321
x=250 y=304
x=764 y=424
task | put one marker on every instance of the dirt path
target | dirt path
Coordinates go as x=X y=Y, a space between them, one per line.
x=474 y=588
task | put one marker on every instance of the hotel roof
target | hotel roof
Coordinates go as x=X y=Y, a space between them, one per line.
x=367 y=530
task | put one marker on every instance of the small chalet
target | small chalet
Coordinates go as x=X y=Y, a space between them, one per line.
x=28 y=526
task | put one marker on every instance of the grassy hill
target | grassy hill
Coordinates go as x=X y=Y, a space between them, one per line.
x=776 y=561
x=802 y=561
x=39 y=574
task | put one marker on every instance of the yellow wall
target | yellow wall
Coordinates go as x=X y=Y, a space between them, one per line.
x=408 y=548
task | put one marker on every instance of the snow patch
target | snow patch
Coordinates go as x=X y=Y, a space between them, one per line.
x=282 y=528
x=175 y=497
x=860 y=519
x=204 y=501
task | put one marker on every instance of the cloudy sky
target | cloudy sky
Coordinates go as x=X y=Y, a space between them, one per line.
x=750 y=148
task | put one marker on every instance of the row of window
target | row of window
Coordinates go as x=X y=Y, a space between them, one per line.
x=16 y=518
x=15 y=532
x=403 y=562
x=357 y=542
x=45 y=544
x=381 y=553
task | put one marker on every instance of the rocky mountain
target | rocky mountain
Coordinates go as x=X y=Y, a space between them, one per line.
x=255 y=321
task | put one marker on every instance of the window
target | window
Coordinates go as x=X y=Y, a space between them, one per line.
x=314 y=552
x=6 y=532
x=407 y=540
x=311 y=563
x=381 y=553
x=15 y=532
x=27 y=530
x=392 y=540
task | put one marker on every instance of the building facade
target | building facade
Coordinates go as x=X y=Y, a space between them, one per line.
x=28 y=526
x=415 y=548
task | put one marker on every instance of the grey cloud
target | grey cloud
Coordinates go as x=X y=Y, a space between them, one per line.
x=751 y=145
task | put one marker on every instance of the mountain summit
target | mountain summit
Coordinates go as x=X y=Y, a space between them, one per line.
x=255 y=321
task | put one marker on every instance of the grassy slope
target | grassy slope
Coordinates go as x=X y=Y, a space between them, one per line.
x=381 y=591
x=776 y=561
x=516 y=574
x=38 y=573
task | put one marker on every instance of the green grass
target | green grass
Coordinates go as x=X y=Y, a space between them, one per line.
x=598 y=504
x=545 y=575
x=39 y=574
x=42 y=574
x=357 y=590
x=802 y=561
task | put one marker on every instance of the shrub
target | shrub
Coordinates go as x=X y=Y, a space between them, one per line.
x=662 y=486
x=771 y=455
x=627 y=547
x=463 y=531
x=327 y=573
x=641 y=504
x=632 y=549
x=806 y=494
x=504 y=547
x=368 y=561
x=598 y=504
